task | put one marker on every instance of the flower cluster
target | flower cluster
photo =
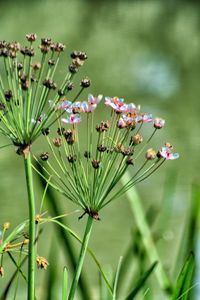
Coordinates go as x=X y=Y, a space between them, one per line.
x=91 y=159
x=28 y=84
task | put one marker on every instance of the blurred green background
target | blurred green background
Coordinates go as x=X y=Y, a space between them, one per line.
x=147 y=52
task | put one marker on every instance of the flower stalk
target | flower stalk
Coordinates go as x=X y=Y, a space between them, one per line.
x=32 y=229
x=83 y=250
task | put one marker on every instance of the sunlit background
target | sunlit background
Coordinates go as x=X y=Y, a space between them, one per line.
x=147 y=52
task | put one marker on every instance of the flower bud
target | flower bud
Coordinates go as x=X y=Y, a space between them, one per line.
x=151 y=154
x=158 y=123
x=136 y=139
x=44 y=156
x=6 y=226
x=42 y=263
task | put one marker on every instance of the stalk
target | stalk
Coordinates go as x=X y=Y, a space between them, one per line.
x=84 y=245
x=31 y=250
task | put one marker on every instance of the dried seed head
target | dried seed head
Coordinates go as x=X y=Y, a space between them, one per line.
x=57 y=142
x=6 y=226
x=44 y=156
x=136 y=139
x=85 y=83
x=96 y=163
x=31 y=37
x=151 y=154
x=42 y=263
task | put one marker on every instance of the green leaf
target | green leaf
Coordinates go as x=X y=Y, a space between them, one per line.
x=183 y=285
x=64 y=283
x=141 y=282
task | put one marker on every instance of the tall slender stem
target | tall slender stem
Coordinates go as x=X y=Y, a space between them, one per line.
x=31 y=251
x=86 y=238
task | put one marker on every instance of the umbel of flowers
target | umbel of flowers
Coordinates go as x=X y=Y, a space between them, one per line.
x=90 y=159
x=27 y=82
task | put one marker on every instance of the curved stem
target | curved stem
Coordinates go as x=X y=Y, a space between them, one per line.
x=31 y=250
x=86 y=238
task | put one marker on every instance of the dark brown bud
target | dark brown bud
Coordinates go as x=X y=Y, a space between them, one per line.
x=2 y=106
x=27 y=51
x=101 y=148
x=73 y=68
x=61 y=93
x=129 y=161
x=31 y=37
x=85 y=83
x=8 y=95
x=45 y=131
x=44 y=156
x=127 y=151
x=70 y=86
x=36 y=66
x=104 y=126
x=61 y=131
x=46 y=41
x=71 y=158
x=96 y=163
x=69 y=136
x=58 y=47
x=19 y=66
x=87 y=154
x=51 y=62
x=50 y=84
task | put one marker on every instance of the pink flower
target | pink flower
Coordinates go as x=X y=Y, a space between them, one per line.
x=94 y=100
x=144 y=118
x=117 y=104
x=64 y=105
x=88 y=107
x=166 y=152
x=73 y=119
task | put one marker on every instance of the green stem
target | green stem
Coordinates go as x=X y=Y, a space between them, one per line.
x=86 y=238
x=31 y=251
